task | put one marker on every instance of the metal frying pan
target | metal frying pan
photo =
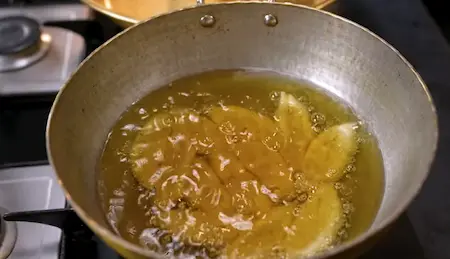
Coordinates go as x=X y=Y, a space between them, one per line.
x=333 y=53
x=129 y=12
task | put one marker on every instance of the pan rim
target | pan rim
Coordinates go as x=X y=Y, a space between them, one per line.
x=101 y=9
x=115 y=239
x=128 y=19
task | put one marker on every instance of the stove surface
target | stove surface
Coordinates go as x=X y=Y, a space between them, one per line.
x=32 y=188
x=22 y=130
x=47 y=12
x=67 y=49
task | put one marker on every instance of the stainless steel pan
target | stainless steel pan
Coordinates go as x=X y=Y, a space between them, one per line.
x=334 y=53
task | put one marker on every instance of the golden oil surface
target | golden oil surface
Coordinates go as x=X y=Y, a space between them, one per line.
x=201 y=168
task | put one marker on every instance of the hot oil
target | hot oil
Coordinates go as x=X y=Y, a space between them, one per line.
x=129 y=206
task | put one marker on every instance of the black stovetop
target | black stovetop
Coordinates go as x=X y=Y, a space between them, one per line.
x=422 y=232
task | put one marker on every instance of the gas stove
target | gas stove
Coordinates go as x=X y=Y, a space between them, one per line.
x=46 y=41
x=29 y=192
x=37 y=58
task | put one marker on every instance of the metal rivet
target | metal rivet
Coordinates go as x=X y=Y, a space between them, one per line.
x=207 y=20
x=270 y=20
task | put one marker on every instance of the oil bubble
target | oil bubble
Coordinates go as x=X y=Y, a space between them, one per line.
x=351 y=168
x=338 y=186
x=302 y=197
x=274 y=96
x=318 y=118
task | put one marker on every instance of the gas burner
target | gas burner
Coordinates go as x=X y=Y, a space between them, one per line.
x=21 y=42
x=8 y=235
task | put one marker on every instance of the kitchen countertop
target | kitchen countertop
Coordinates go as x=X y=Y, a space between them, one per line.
x=420 y=40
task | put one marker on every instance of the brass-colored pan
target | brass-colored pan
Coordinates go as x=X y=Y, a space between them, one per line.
x=128 y=12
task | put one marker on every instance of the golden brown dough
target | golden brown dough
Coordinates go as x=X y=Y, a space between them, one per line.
x=249 y=197
x=267 y=233
x=316 y=224
x=293 y=230
x=295 y=123
x=197 y=228
x=330 y=152
x=256 y=141
x=218 y=180
x=162 y=146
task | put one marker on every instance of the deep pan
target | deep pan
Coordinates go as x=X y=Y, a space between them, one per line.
x=331 y=52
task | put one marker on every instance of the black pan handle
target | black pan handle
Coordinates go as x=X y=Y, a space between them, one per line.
x=65 y=219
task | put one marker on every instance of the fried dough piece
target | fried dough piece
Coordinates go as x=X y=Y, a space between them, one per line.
x=162 y=146
x=249 y=197
x=316 y=226
x=198 y=228
x=266 y=234
x=256 y=141
x=295 y=124
x=202 y=189
x=164 y=159
x=293 y=230
x=330 y=152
